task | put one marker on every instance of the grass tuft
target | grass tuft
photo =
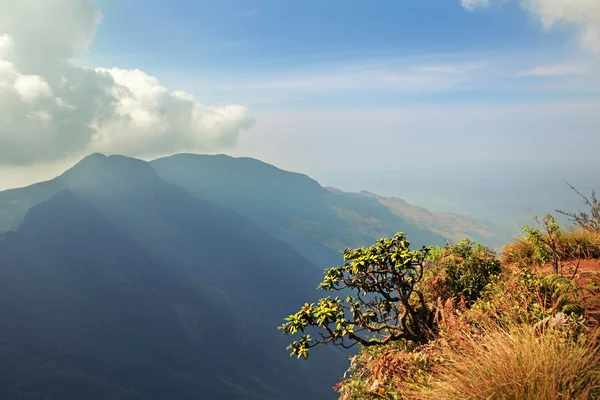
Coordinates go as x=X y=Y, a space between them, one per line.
x=519 y=363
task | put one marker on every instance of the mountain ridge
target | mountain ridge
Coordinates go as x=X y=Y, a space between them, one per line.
x=452 y=226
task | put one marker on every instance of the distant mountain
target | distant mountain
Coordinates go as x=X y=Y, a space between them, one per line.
x=290 y=206
x=449 y=225
x=118 y=285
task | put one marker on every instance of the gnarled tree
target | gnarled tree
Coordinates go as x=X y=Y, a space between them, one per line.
x=386 y=304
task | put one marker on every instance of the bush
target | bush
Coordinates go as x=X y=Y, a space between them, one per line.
x=389 y=372
x=461 y=271
x=519 y=363
x=521 y=253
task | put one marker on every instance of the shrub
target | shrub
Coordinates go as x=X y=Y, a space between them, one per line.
x=519 y=363
x=461 y=271
x=521 y=253
x=389 y=372
x=546 y=241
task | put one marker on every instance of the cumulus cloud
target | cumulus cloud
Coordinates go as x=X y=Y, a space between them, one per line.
x=52 y=109
x=583 y=15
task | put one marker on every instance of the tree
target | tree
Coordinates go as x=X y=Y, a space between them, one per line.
x=546 y=243
x=387 y=304
x=587 y=221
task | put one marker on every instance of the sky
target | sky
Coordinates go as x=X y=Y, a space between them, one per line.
x=387 y=95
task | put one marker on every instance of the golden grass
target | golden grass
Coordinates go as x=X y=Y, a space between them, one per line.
x=519 y=363
x=580 y=243
x=572 y=244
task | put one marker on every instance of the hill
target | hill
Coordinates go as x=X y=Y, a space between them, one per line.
x=449 y=225
x=123 y=286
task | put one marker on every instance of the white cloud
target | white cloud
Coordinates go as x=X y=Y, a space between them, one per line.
x=6 y=46
x=473 y=5
x=150 y=120
x=590 y=38
x=582 y=14
x=556 y=70
x=52 y=109
x=32 y=87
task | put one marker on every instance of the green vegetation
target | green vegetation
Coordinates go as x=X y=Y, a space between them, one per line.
x=520 y=326
x=387 y=304
x=461 y=271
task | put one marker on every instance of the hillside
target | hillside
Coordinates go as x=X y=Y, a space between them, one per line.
x=449 y=225
x=123 y=286
x=291 y=206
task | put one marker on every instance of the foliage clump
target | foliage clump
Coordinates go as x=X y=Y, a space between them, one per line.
x=385 y=303
x=461 y=271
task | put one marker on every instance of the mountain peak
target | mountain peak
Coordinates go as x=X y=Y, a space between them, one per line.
x=98 y=169
x=366 y=193
x=225 y=170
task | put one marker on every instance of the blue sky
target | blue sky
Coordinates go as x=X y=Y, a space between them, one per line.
x=296 y=54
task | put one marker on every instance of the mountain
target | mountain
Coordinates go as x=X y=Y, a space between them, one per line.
x=449 y=225
x=292 y=207
x=120 y=285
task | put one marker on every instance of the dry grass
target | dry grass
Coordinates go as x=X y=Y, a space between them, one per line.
x=572 y=244
x=520 y=252
x=580 y=243
x=519 y=363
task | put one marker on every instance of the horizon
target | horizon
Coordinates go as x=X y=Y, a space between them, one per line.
x=511 y=216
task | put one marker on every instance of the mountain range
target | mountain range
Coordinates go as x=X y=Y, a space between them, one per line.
x=126 y=279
